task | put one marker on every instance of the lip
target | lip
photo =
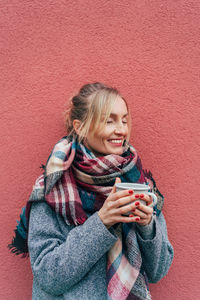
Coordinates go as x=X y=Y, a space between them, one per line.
x=119 y=144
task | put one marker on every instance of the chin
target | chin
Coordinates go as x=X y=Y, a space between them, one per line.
x=110 y=150
x=116 y=151
x=119 y=152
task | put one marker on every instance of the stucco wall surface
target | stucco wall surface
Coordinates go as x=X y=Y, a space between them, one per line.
x=150 y=50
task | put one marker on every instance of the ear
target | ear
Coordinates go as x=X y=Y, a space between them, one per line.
x=76 y=125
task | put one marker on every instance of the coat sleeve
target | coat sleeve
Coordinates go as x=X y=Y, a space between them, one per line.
x=61 y=259
x=157 y=252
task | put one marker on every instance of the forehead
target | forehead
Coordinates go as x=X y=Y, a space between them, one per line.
x=119 y=107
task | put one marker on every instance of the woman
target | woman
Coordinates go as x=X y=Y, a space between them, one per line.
x=81 y=243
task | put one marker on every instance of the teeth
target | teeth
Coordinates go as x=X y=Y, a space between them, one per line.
x=116 y=141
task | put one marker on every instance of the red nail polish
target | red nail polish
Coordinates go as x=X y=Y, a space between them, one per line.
x=137 y=196
x=137 y=203
x=137 y=219
x=130 y=216
x=130 y=192
x=141 y=196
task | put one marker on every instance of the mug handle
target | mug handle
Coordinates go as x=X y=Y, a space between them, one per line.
x=154 y=199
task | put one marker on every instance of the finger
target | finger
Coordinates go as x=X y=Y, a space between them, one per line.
x=122 y=210
x=125 y=197
x=140 y=214
x=147 y=198
x=145 y=209
x=128 y=219
x=128 y=204
x=117 y=180
x=150 y=203
x=145 y=221
x=122 y=194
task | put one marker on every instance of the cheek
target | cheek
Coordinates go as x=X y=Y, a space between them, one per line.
x=108 y=131
x=127 y=130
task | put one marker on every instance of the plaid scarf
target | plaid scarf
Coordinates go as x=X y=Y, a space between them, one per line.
x=75 y=184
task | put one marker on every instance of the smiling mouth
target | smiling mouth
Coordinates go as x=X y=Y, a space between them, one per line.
x=116 y=142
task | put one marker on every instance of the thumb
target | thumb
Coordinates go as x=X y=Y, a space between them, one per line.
x=117 y=180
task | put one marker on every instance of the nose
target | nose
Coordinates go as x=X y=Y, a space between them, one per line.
x=120 y=129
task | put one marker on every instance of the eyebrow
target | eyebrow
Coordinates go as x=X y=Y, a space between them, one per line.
x=113 y=115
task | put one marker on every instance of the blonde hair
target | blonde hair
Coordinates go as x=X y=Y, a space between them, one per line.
x=92 y=107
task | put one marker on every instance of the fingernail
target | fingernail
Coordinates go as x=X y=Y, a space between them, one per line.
x=133 y=210
x=130 y=216
x=137 y=219
x=130 y=192
x=137 y=203
x=137 y=196
x=141 y=196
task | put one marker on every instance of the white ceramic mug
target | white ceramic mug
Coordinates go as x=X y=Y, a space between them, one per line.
x=138 y=188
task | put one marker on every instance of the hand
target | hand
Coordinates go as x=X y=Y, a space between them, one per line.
x=144 y=212
x=113 y=208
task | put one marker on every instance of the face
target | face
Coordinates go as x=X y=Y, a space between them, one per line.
x=110 y=139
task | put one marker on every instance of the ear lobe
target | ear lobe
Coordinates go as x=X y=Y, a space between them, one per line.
x=76 y=125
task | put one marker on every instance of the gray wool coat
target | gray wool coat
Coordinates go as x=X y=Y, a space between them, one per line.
x=69 y=262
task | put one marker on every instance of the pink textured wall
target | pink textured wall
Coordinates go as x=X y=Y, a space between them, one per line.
x=150 y=51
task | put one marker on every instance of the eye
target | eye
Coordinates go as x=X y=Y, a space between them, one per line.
x=109 y=121
x=124 y=121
